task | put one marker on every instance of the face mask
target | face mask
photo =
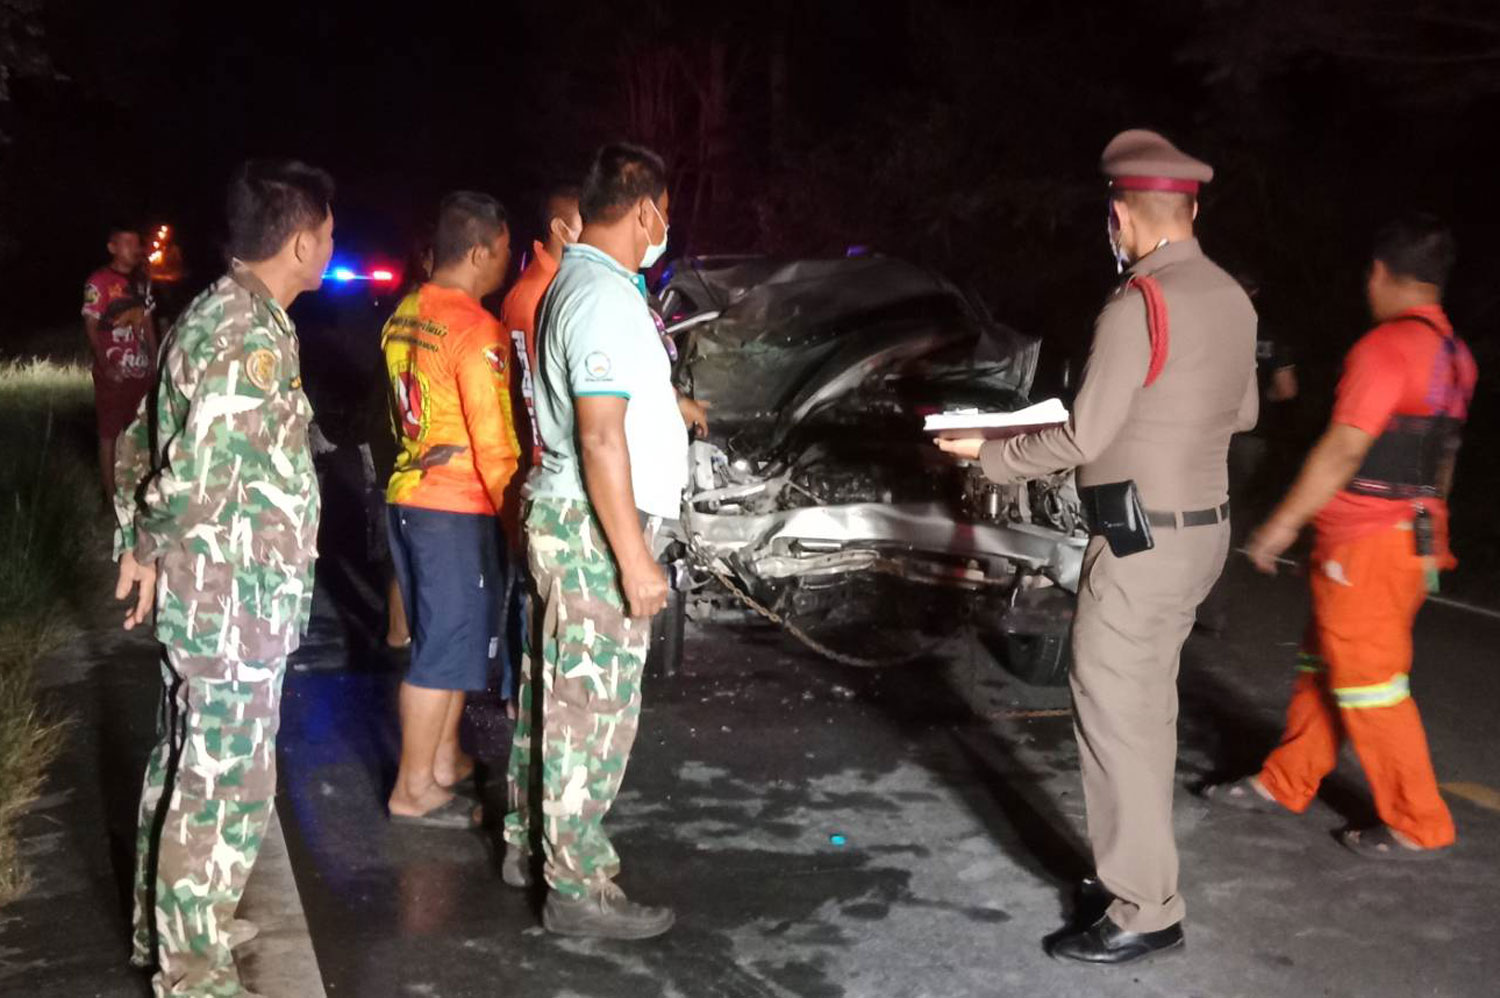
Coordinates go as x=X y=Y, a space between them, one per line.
x=655 y=250
x=1122 y=258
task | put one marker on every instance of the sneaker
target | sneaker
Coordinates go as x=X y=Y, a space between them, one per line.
x=515 y=868
x=604 y=913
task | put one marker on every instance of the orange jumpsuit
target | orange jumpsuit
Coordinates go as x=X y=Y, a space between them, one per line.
x=1367 y=585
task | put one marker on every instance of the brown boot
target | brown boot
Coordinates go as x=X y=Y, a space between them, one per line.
x=604 y=913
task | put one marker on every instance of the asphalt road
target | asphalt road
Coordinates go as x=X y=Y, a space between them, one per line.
x=823 y=832
x=831 y=833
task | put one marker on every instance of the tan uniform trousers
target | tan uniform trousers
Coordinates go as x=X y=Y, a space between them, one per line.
x=1134 y=614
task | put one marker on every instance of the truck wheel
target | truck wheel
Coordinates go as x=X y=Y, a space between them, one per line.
x=1040 y=659
x=667 y=629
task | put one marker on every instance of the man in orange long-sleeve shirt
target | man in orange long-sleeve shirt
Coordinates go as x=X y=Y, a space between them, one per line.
x=1374 y=487
x=562 y=223
x=449 y=493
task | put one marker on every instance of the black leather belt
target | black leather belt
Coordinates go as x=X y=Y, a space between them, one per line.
x=1192 y=518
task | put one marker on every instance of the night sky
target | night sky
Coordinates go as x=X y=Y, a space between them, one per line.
x=962 y=135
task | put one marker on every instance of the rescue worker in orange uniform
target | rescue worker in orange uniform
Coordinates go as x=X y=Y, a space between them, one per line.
x=563 y=223
x=1374 y=488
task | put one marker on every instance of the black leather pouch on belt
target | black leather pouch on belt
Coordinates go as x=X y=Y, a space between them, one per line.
x=1115 y=511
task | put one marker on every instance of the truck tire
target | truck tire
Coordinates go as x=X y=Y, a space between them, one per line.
x=1040 y=659
x=664 y=658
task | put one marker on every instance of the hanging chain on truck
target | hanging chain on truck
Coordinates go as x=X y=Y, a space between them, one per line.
x=811 y=642
x=855 y=661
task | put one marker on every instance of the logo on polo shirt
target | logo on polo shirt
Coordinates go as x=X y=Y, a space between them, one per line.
x=597 y=366
x=496 y=359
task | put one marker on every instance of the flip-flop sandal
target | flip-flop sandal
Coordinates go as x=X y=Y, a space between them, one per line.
x=456 y=813
x=466 y=787
x=1379 y=843
x=1241 y=795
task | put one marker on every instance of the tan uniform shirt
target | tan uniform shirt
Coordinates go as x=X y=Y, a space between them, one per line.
x=1171 y=438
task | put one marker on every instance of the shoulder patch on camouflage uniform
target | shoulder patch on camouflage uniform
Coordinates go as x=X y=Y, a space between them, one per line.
x=260 y=366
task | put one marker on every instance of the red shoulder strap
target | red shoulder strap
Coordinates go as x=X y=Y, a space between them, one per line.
x=1156 y=324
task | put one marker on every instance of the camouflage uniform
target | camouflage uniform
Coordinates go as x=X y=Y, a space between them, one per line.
x=215 y=485
x=591 y=656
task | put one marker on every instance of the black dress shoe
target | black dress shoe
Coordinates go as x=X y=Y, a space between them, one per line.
x=1091 y=900
x=1106 y=943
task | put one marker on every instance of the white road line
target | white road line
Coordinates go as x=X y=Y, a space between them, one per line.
x=1448 y=601
x=1476 y=793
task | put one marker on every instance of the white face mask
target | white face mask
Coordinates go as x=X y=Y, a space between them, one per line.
x=655 y=250
x=1122 y=258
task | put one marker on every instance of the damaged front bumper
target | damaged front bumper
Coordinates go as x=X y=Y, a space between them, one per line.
x=920 y=541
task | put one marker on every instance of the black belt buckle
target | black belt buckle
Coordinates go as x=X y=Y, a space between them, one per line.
x=1115 y=512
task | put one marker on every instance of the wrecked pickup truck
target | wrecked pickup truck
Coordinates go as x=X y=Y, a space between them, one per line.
x=818 y=501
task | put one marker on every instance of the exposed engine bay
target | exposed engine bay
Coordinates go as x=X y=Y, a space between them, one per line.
x=819 y=495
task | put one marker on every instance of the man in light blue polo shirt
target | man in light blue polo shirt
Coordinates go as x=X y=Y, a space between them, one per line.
x=604 y=345
x=613 y=468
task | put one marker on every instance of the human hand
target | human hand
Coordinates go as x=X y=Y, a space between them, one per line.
x=694 y=414
x=1268 y=543
x=1283 y=386
x=645 y=588
x=134 y=575
x=965 y=447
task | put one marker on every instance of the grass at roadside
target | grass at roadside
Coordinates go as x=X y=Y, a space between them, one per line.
x=50 y=523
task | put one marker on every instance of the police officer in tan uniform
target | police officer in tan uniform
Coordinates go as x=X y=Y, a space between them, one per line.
x=1170 y=376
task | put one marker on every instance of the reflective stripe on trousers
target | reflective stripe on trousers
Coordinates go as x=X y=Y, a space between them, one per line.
x=1386 y=694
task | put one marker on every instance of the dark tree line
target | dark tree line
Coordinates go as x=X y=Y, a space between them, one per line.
x=960 y=134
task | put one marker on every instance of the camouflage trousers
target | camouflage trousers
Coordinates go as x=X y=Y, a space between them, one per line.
x=205 y=805
x=579 y=701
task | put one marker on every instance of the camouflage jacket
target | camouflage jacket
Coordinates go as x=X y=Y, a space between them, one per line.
x=214 y=481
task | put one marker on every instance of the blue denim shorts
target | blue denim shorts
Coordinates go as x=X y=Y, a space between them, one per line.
x=452 y=579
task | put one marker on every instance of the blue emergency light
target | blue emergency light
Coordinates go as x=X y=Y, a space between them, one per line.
x=346 y=274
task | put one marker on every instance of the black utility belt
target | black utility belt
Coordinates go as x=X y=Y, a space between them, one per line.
x=1115 y=512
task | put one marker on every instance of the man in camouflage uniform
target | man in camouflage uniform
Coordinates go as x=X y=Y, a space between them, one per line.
x=218 y=509
x=612 y=471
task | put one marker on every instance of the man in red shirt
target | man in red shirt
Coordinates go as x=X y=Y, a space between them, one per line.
x=1374 y=488
x=117 y=316
x=562 y=223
